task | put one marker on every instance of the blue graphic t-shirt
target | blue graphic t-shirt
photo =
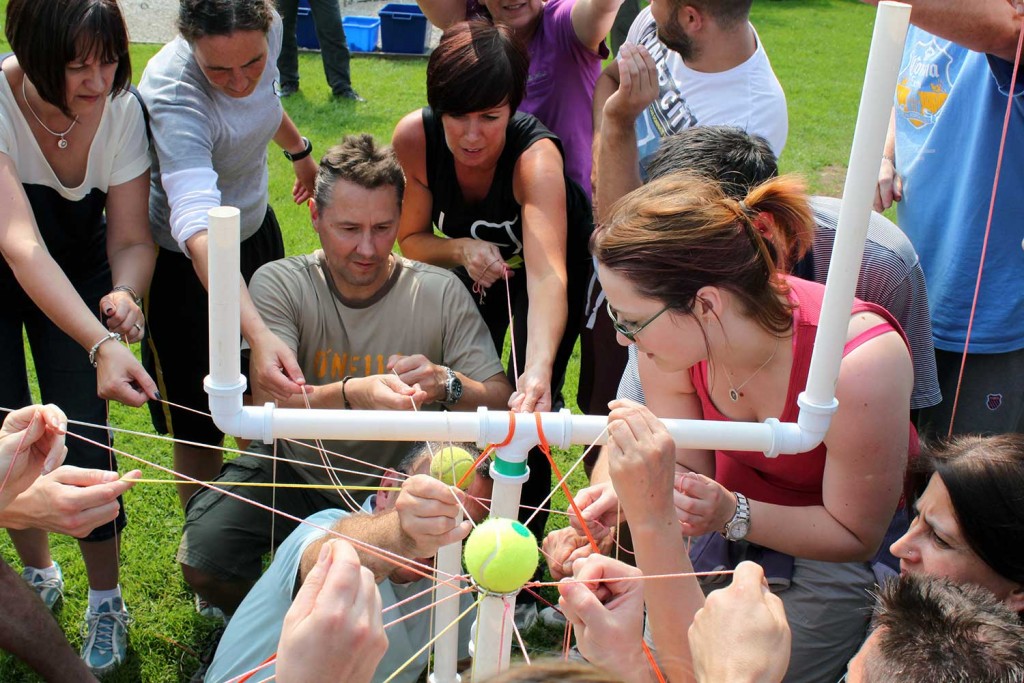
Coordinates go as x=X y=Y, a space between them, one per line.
x=950 y=104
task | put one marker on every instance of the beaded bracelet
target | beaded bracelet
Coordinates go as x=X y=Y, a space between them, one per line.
x=95 y=347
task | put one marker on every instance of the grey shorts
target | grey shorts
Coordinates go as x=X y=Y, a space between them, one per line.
x=991 y=397
x=227 y=537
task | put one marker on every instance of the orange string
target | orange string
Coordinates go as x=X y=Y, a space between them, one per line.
x=263 y=665
x=546 y=449
x=490 y=448
x=654 y=664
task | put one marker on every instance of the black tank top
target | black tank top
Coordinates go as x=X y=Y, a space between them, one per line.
x=498 y=217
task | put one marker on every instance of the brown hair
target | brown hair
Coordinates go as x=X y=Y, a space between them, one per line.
x=680 y=233
x=46 y=35
x=199 y=18
x=360 y=160
x=932 y=629
x=555 y=671
x=476 y=66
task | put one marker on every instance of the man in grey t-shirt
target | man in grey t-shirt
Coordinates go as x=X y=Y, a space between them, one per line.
x=370 y=330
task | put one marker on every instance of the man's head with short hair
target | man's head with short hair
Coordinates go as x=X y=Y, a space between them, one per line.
x=726 y=13
x=417 y=461
x=680 y=28
x=735 y=159
x=356 y=207
x=360 y=160
x=930 y=629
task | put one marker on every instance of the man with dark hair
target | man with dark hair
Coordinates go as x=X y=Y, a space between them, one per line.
x=413 y=530
x=370 y=330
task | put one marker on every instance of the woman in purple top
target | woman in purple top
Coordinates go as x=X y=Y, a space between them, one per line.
x=565 y=42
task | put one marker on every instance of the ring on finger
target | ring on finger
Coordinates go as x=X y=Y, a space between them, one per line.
x=138 y=327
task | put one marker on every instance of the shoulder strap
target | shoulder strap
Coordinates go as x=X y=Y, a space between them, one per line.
x=145 y=111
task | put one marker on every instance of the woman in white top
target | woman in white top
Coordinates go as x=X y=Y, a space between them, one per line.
x=78 y=256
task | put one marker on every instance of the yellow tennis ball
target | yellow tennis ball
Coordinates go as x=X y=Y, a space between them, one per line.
x=501 y=555
x=450 y=463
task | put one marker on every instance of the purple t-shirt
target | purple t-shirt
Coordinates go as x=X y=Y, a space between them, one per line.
x=560 y=87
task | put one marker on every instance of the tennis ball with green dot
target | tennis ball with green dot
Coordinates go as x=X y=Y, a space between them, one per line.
x=501 y=555
x=450 y=464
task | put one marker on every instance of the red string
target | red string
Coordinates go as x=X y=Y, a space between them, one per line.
x=546 y=449
x=654 y=664
x=17 y=451
x=490 y=448
x=988 y=228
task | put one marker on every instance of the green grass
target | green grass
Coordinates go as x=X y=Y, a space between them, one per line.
x=818 y=49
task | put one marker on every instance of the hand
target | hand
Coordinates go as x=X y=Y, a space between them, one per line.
x=334 y=629
x=638 y=85
x=702 y=504
x=120 y=376
x=563 y=547
x=890 y=186
x=417 y=370
x=70 y=501
x=607 y=617
x=31 y=442
x=123 y=315
x=534 y=393
x=599 y=505
x=427 y=509
x=305 y=179
x=274 y=369
x=641 y=460
x=741 y=633
x=483 y=262
x=384 y=392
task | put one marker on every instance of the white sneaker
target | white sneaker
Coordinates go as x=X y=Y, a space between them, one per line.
x=50 y=590
x=105 y=636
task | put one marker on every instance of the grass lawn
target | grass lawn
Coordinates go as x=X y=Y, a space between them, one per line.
x=818 y=49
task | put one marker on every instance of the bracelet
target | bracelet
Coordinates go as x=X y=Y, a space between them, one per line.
x=299 y=156
x=130 y=292
x=890 y=158
x=95 y=347
x=344 y=397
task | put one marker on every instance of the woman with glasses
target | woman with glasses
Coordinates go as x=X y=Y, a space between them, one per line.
x=695 y=280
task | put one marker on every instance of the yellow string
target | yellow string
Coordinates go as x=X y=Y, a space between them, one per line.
x=269 y=484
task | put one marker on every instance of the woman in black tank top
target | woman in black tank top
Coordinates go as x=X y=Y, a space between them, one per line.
x=492 y=181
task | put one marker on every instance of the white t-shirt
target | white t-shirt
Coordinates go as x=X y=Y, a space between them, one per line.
x=747 y=96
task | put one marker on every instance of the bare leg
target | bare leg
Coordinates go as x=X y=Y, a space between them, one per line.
x=33 y=547
x=29 y=632
x=199 y=463
x=227 y=595
x=101 y=563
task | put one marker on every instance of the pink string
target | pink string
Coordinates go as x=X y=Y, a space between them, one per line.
x=988 y=228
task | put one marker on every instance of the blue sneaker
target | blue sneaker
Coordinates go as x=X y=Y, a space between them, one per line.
x=105 y=636
x=50 y=590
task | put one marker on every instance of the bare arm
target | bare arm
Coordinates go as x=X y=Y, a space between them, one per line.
x=131 y=254
x=443 y=13
x=539 y=186
x=593 y=19
x=990 y=26
x=289 y=139
x=119 y=374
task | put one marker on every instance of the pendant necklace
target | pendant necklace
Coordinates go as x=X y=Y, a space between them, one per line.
x=734 y=392
x=62 y=143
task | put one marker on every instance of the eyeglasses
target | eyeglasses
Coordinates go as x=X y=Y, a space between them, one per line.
x=630 y=330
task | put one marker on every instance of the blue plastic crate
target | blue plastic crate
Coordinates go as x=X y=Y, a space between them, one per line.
x=403 y=28
x=361 y=33
x=305 y=29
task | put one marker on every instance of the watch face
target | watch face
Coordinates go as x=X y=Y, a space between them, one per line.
x=738 y=530
x=456 y=389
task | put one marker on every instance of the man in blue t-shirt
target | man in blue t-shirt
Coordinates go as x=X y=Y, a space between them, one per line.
x=940 y=161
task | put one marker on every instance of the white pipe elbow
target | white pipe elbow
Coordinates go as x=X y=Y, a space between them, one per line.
x=806 y=433
x=235 y=419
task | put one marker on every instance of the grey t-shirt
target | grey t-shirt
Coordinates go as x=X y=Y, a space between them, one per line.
x=195 y=126
x=421 y=309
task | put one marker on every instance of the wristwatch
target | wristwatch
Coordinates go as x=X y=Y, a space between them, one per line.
x=737 y=528
x=299 y=156
x=452 y=388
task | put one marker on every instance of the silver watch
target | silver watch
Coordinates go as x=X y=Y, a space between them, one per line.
x=737 y=528
x=452 y=388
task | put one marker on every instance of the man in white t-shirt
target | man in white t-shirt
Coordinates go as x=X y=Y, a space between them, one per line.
x=686 y=63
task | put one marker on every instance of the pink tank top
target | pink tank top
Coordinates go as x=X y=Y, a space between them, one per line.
x=793 y=480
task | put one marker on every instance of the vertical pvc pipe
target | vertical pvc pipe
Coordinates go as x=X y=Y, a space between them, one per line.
x=224 y=282
x=446 y=648
x=884 y=60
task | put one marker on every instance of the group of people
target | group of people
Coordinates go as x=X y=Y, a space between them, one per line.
x=637 y=208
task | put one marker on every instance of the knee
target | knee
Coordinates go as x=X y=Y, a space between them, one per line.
x=198 y=580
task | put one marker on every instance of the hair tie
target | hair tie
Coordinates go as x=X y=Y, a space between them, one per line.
x=744 y=207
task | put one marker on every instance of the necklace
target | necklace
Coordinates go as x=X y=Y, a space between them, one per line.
x=62 y=143
x=734 y=392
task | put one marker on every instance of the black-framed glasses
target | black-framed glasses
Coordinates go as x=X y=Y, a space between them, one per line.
x=630 y=331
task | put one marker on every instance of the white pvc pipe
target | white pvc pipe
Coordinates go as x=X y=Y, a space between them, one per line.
x=884 y=58
x=446 y=648
x=224 y=282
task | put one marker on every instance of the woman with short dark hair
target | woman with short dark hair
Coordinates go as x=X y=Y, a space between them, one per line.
x=492 y=180
x=75 y=238
x=969 y=525
x=213 y=110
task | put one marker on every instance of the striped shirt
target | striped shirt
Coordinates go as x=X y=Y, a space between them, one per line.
x=890 y=276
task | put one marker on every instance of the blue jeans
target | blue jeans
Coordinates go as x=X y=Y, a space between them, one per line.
x=333 y=46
